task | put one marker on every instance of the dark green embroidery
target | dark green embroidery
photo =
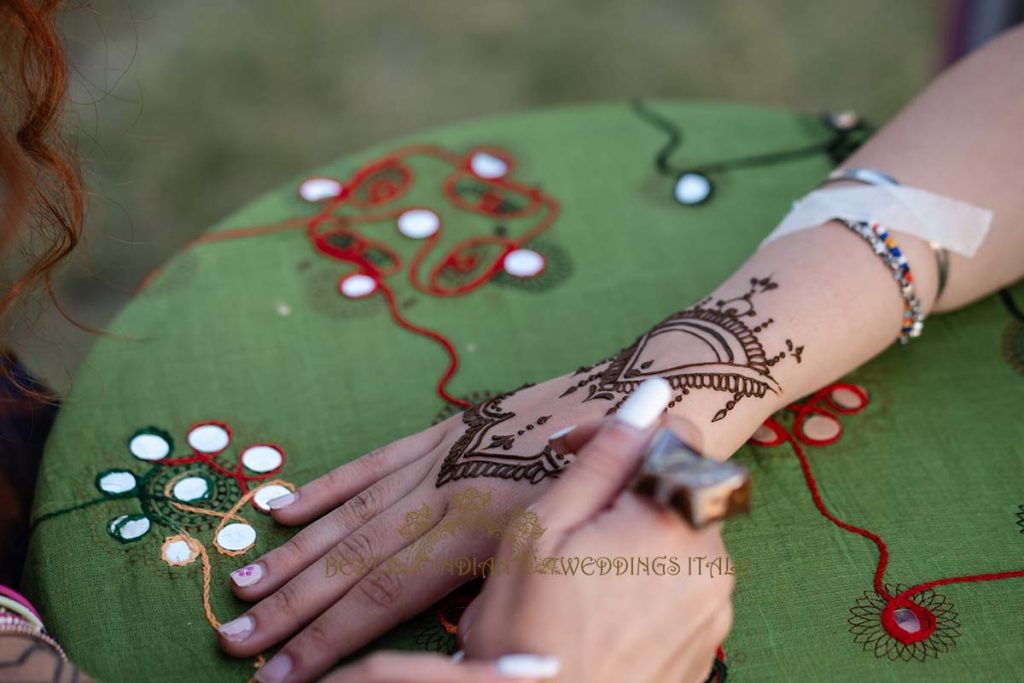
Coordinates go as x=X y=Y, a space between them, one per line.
x=557 y=269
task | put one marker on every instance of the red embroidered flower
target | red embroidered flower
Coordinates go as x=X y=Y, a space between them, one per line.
x=915 y=627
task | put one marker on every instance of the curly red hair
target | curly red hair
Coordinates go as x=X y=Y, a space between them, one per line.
x=40 y=186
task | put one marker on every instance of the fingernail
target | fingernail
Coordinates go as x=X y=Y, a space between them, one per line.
x=458 y=656
x=238 y=630
x=282 y=501
x=275 y=670
x=527 y=666
x=560 y=433
x=646 y=404
x=247 y=575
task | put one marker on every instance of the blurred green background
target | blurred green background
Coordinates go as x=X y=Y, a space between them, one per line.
x=185 y=110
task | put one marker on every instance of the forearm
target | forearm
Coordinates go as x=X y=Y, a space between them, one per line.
x=962 y=138
x=836 y=304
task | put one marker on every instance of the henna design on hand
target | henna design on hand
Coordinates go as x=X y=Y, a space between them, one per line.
x=730 y=357
x=482 y=452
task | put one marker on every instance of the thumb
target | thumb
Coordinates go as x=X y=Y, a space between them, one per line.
x=603 y=467
x=407 y=667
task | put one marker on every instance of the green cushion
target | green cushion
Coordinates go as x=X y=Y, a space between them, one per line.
x=252 y=332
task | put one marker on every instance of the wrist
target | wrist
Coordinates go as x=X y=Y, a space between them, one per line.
x=723 y=358
x=693 y=421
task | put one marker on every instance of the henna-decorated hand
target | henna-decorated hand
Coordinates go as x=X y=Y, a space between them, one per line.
x=444 y=495
x=383 y=523
x=633 y=626
x=660 y=626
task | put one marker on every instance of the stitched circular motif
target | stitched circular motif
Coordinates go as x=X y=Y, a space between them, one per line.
x=557 y=269
x=165 y=507
x=914 y=627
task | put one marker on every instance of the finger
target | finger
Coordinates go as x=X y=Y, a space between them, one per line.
x=379 y=602
x=572 y=439
x=257 y=580
x=324 y=582
x=462 y=632
x=687 y=431
x=393 y=667
x=332 y=489
x=604 y=465
x=720 y=625
x=692 y=657
x=694 y=660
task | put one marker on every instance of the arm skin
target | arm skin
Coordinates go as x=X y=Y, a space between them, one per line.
x=23 y=658
x=960 y=138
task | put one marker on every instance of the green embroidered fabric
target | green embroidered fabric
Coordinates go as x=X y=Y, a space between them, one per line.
x=253 y=333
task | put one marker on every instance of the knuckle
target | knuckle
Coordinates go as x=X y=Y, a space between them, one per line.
x=366 y=505
x=284 y=601
x=374 y=463
x=298 y=545
x=376 y=455
x=318 y=637
x=357 y=548
x=381 y=589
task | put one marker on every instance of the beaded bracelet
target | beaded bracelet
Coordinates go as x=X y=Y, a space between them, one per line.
x=876 y=178
x=885 y=246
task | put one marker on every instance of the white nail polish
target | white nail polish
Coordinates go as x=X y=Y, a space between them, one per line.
x=237 y=630
x=527 y=666
x=561 y=432
x=247 y=575
x=276 y=670
x=458 y=657
x=645 y=404
x=282 y=501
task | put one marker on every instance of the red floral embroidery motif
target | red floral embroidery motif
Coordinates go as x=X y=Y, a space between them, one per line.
x=899 y=623
x=478 y=183
x=918 y=627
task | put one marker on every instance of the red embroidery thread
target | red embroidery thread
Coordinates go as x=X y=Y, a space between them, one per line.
x=210 y=460
x=491 y=194
x=902 y=599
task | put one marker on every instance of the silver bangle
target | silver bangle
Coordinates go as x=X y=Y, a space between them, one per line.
x=885 y=247
x=942 y=262
x=867 y=176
